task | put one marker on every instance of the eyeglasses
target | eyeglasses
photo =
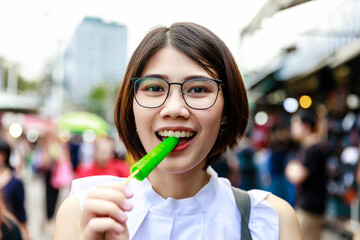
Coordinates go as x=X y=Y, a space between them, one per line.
x=198 y=93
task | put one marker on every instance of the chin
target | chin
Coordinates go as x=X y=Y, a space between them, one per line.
x=173 y=168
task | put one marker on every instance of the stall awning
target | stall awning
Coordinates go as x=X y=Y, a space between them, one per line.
x=18 y=102
x=331 y=42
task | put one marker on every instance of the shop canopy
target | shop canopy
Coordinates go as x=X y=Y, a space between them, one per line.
x=78 y=122
x=333 y=40
x=18 y=103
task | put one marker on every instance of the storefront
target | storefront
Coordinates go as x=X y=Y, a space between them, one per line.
x=321 y=73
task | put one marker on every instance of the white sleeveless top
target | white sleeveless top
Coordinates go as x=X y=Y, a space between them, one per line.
x=211 y=214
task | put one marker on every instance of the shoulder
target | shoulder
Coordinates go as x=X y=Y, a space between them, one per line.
x=288 y=222
x=316 y=149
x=67 y=219
x=264 y=221
x=15 y=183
x=16 y=180
x=70 y=204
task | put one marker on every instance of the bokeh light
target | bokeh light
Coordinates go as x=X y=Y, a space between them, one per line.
x=64 y=135
x=291 y=105
x=261 y=118
x=32 y=135
x=305 y=101
x=350 y=155
x=15 y=130
x=348 y=121
x=277 y=96
x=353 y=101
x=89 y=136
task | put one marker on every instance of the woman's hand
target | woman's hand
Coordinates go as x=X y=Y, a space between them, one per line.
x=103 y=216
x=104 y=213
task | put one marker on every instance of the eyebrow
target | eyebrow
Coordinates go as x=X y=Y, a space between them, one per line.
x=165 y=77
x=157 y=76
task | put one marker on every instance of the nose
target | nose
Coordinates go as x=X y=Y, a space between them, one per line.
x=175 y=106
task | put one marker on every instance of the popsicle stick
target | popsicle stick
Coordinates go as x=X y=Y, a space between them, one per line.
x=131 y=176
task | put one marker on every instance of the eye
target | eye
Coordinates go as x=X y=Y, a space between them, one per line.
x=197 y=90
x=154 y=89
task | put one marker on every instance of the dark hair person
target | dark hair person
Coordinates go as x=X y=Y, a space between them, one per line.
x=8 y=223
x=308 y=172
x=181 y=81
x=12 y=188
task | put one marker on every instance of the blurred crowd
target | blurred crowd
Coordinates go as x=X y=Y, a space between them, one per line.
x=302 y=161
x=315 y=174
x=56 y=162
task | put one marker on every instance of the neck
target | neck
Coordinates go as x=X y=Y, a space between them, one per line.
x=179 y=186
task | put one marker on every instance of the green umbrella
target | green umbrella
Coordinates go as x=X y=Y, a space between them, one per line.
x=79 y=122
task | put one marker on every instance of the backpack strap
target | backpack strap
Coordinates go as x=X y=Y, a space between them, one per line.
x=243 y=202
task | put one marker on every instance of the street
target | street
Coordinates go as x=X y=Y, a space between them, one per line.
x=35 y=205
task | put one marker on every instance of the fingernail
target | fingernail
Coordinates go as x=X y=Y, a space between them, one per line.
x=128 y=192
x=123 y=216
x=128 y=205
x=119 y=228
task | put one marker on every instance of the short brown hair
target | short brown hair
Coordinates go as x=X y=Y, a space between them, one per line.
x=207 y=50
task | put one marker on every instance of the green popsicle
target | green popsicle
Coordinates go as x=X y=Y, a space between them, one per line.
x=149 y=162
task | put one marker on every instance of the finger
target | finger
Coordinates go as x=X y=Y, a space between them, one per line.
x=111 y=195
x=114 y=236
x=104 y=224
x=102 y=208
x=118 y=186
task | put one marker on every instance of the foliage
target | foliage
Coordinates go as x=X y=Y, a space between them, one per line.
x=101 y=99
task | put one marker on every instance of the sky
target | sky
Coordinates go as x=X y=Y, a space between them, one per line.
x=33 y=32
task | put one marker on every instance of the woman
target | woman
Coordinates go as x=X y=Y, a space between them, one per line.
x=9 y=226
x=180 y=81
x=12 y=188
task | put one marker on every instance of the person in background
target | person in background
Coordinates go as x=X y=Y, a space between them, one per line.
x=248 y=171
x=104 y=162
x=308 y=172
x=281 y=146
x=50 y=151
x=228 y=167
x=74 y=146
x=12 y=188
x=10 y=229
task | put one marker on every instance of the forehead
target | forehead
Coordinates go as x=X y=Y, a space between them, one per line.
x=172 y=64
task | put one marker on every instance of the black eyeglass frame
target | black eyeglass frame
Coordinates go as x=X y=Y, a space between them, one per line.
x=218 y=82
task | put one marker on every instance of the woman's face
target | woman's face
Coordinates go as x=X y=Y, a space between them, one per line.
x=175 y=115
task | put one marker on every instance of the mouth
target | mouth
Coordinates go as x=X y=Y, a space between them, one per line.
x=185 y=136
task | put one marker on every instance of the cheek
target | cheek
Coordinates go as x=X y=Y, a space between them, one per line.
x=140 y=116
x=211 y=122
x=143 y=119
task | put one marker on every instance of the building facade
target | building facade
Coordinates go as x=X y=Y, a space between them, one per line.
x=96 y=55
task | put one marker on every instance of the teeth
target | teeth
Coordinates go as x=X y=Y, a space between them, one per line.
x=177 y=134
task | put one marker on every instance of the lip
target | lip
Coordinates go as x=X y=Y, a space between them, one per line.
x=183 y=146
